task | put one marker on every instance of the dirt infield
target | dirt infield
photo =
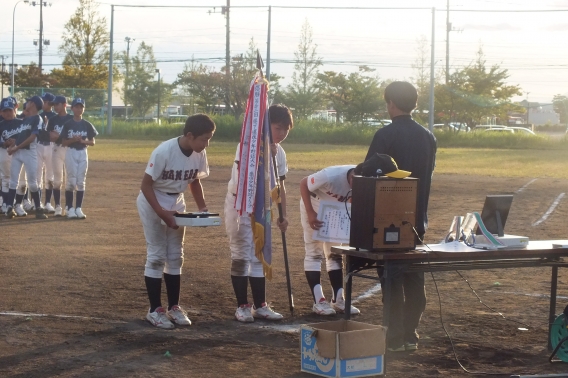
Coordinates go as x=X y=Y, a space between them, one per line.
x=87 y=276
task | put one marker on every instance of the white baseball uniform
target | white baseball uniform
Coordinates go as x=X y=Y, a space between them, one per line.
x=58 y=153
x=76 y=157
x=329 y=184
x=44 y=155
x=26 y=156
x=239 y=230
x=172 y=171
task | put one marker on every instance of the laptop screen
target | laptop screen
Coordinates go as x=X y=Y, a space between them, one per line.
x=495 y=213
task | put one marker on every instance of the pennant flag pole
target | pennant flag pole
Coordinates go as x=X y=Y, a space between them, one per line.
x=258 y=176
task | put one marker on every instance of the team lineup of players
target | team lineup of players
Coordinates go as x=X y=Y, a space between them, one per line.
x=37 y=149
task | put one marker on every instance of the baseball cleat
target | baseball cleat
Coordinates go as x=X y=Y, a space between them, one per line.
x=178 y=316
x=10 y=212
x=27 y=206
x=58 y=211
x=265 y=312
x=323 y=308
x=159 y=319
x=71 y=213
x=79 y=213
x=19 y=211
x=49 y=208
x=243 y=314
x=339 y=307
x=41 y=213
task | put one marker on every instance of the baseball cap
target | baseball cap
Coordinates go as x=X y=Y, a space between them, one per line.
x=48 y=97
x=14 y=100
x=380 y=165
x=37 y=101
x=78 y=101
x=7 y=103
x=60 y=100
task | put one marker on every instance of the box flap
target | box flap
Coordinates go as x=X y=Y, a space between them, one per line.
x=335 y=325
x=326 y=341
x=362 y=343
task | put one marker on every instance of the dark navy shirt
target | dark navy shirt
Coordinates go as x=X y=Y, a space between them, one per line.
x=30 y=125
x=72 y=128
x=43 y=136
x=56 y=123
x=413 y=147
x=9 y=129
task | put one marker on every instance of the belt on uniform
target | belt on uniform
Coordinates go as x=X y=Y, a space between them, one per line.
x=172 y=194
x=313 y=195
x=45 y=143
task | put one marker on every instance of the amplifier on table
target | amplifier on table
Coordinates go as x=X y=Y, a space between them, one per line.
x=383 y=212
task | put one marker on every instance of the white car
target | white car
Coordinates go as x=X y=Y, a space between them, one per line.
x=522 y=130
x=485 y=127
x=501 y=130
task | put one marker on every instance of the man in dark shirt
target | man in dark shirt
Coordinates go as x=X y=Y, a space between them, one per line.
x=413 y=147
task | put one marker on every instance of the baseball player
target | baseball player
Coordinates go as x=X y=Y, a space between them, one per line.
x=173 y=166
x=329 y=184
x=244 y=264
x=54 y=127
x=44 y=152
x=21 y=141
x=8 y=114
x=76 y=135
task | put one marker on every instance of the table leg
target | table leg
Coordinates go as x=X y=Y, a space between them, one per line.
x=552 y=309
x=387 y=280
x=348 y=286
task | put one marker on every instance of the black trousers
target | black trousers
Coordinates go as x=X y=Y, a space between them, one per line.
x=408 y=302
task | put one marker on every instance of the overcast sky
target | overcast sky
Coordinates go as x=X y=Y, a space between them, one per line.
x=533 y=46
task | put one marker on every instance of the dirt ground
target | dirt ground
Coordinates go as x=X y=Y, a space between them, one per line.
x=86 y=276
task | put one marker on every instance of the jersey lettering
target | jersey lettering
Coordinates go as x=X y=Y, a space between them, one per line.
x=188 y=174
x=178 y=175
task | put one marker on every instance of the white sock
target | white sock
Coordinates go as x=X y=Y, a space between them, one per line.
x=318 y=293
x=339 y=295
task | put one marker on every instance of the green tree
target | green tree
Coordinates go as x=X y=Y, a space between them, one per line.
x=475 y=92
x=85 y=48
x=560 y=105
x=335 y=91
x=143 y=86
x=366 y=95
x=204 y=85
x=303 y=92
x=421 y=77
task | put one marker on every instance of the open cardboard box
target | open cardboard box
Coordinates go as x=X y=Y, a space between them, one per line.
x=342 y=348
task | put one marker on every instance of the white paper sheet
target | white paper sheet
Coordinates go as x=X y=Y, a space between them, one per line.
x=336 y=224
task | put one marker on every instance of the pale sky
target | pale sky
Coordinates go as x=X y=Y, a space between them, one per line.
x=533 y=46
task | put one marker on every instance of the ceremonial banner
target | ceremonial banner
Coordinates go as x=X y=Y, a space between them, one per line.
x=256 y=178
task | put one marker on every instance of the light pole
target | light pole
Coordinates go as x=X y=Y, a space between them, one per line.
x=41 y=4
x=2 y=74
x=128 y=40
x=159 y=93
x=13 y=29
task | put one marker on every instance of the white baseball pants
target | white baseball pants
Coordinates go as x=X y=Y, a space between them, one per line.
x=164 y=244
x=241 y=242
x=5 y=161
x=58 y=165
x=44 y=154
x=27 y=158
x=317 y=250
x=76 y=164
x=22 y=184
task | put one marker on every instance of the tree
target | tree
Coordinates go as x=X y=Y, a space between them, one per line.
x=334 y=91
x=143 y=88
x=421 y=78
x=560 y=105
x=85 y=46
x=475 y=92
x=28 y=76
x=203 y=84
x=303 y=93
x=366 y=95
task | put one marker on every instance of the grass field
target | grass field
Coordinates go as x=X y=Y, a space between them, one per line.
x=469 y=161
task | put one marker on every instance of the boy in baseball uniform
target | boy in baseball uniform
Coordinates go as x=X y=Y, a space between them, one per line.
x=22 y=147
x=173 y=166
x=54 y=128
x=44 y=152
x=8 y=123
x=76 y=135
x=329 y=184
x=244 y=264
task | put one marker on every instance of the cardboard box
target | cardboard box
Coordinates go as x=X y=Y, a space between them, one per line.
x=342 y=348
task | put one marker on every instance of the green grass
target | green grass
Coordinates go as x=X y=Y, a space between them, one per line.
x=469 y=161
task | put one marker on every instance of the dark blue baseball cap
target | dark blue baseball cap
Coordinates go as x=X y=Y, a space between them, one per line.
x=38 y=102
x=14 y=100
x=78 y=101
x=48 y=97
x=60 y=100
x=7 y=103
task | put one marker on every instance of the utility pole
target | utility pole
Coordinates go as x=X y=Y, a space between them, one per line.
x=109 y=95
x=41 y=42
x=268 y=43
x=226 y=11
x=128 y=40
x=528 y=108
x=448 y=28
x=2 y=73
x=159 y=93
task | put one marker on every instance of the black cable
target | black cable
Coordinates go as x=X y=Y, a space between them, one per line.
x=345 y=201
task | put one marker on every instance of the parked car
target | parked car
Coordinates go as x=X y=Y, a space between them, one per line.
x=501 y=130
x=485 y=127
x=522 y=130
